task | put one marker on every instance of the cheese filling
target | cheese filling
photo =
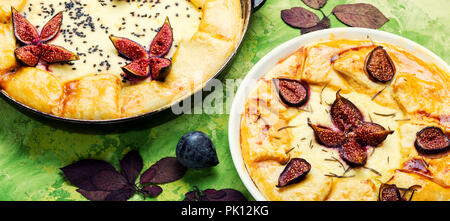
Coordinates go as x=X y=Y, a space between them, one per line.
x=88 y=24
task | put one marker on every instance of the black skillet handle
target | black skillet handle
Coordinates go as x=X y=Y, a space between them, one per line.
x=256 y=4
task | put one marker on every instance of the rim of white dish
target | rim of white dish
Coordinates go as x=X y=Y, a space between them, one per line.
x=284 y=50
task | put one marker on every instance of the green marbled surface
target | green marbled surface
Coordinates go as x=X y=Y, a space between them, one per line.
x=32 y=150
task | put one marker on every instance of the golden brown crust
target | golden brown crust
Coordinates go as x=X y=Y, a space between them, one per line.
x=5 y=8
x=7 y=47
x=36 y=88
x=266 y=149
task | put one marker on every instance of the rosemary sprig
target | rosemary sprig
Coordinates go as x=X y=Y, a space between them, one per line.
x=378 y=93
x=286 y=127
x=321 y=92
x=385 y=115
x=373 y=171
x=338 y=176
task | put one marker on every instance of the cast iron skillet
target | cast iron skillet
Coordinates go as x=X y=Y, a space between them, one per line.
x=248 y=6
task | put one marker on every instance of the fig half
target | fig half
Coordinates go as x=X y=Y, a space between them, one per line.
x=292 y=92
x=379 y=65
x=28 y=55
x=327 y=136
x=52 y=28
x=432 y=140
x=353 y=153
x=24 y=31
x=128 y=48
x=160 y=68
x=57 y=54
x=163 y=41
x=294 y=172
x=344 y=114
x=139 y=68
x=389 y=192
x=371 y=134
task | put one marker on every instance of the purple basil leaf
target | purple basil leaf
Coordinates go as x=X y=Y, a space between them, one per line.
x=164 y=171
x=215 y=195
x=360 y=15
x=323 y=24
x=152 y=191
x=94 y=195
x=131 y=165
x=109 y=180
x=298 y=17
x=80 y=173
x=233 y=195
x=121 y=195
x=315 y=4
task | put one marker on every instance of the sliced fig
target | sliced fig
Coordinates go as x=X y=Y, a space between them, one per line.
x=139 y=68
x=163 y=41
x=57 y=54
x=160 y=68
x=292 y=92
x=28 y=55
x=294 y=172
x=432 y=140
x=327 y=136
x=344 y=114
x=371 y=134
x=379 y=66
x=52 y=28
x=389 y=192
x=128 y=48
x=353 y=153
x=24 y=31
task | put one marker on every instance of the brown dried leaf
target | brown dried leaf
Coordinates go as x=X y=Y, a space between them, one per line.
x=298 y=17
x=360 y=15
x=323 y=24
x=315 y=4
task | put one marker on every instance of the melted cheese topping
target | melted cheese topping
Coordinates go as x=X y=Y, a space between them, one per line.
x=272 y=133
x=88 y=24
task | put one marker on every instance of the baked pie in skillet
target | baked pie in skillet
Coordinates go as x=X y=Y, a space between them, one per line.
x=349 y=120
x=100 y=60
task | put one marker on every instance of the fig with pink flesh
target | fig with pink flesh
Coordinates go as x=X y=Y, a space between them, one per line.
x=432 y=140
x=52 y=28
x=160 y=68
x=344 y=114
x=294 y=172
x=389 y=192
x=327 y=136
x=29 y=55
x=35 y=47
x=371 y=134
x=139 y=68
x=163 y=41
x=128 y=48
x=292 y=92
x=24 y=31
x=352 y=153
x=379 y=66
x=57 y=54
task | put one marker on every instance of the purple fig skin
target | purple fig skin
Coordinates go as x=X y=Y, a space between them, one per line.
x=327 y=136
x=163 y=41
x=294 y=172
x=24 y=31
x=28 y=55
x=352 y=153
x=379 y=66
x=160 y=68
x=52 y=28
x=371 y=134
x=389 y=192
x=139 y=68
x=292 y=92
x=128 y=48
x=344 y=114
x=432 y=140
x=57 y=54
